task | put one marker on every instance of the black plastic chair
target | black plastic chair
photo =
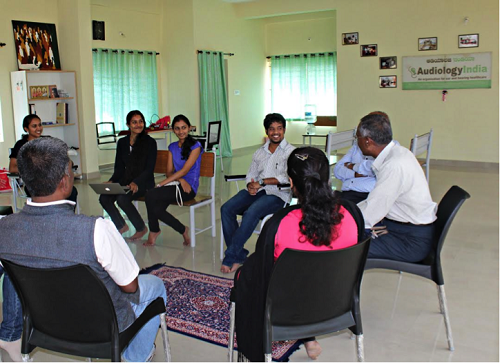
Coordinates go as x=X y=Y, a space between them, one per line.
x=320 y=297
x=430 y=267
x=69 y=310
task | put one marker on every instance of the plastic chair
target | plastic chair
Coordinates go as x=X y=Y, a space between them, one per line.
x=336 y=141
x=258 y=230
x=69 y=310
x=212 y=142
x=207 y=169
x=420 y=145
x=320 y=297
x=430 y=268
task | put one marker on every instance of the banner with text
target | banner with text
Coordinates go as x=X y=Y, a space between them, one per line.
x=451 y=71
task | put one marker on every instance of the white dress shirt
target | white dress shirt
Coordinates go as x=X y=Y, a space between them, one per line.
x=271 y=165
x=401 y=192
x=362 y=165
x=112 y=252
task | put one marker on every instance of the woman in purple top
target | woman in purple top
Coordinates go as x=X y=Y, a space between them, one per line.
x=183 y=166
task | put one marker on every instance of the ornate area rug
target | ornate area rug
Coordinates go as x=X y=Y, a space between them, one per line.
x=198 y=306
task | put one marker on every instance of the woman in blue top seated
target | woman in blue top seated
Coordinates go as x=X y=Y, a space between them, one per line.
x=183 y=166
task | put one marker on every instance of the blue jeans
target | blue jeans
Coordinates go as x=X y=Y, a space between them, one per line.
x=253 y=208
x=142 y=346
x=404 y=242
x=12 y=323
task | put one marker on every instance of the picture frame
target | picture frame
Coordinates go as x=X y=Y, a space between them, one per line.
x=53 y=91
x=389 y=62
x=369 y=50
x=468 y=40
x=39 y=92
x=350 y=38
x=388 y=81
x=425 y=44
x=36 y=45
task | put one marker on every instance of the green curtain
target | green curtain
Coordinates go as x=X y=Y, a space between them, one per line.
x=124 y=80
x=300 y=79
x=213 y=95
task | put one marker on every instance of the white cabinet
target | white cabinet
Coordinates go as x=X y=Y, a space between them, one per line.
x=45 y=108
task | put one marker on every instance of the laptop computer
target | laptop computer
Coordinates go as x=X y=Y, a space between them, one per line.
x=109 y=188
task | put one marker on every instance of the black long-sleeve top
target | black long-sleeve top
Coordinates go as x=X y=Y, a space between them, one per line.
x=145 y=180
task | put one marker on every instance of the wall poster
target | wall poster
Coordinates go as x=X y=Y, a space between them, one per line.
x=449 y=71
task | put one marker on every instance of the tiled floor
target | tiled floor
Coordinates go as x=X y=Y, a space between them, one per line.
x=400 y=312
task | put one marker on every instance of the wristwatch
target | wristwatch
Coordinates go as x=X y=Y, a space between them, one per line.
x=262 y=183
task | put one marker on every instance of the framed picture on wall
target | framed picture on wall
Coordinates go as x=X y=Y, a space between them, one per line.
x=428 y=43
x=388 y=62
x=350 y=38
x=468 y=41
x=387 y=81
x=36 y=45
x=368 y=50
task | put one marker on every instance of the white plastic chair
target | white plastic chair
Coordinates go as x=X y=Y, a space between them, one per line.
x=420 y=145
x=336 y=141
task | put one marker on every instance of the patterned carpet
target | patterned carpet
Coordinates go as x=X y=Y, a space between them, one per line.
x=198 y=306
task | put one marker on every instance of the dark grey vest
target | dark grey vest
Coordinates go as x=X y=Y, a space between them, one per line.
x=53 y=236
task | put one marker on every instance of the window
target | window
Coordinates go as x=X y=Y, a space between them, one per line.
x=301 y=79
x=124 y=80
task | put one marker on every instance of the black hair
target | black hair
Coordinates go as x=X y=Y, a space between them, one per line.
x=138 y=157
x=376 y=126
x=189 y=142
x=274 y=117
x=309 y=170
x=27 y=120
x=42 y=164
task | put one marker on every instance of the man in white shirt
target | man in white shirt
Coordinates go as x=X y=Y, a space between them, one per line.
x=399 y=210
x=68 y=239
x=262 y=196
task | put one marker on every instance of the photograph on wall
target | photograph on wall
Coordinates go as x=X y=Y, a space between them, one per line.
x=387 y=81
x=368 y=50
x=428 y=43
x=388 y=62
x=36 y=46
x=468 y=41
x=53 y=91
x=350 y=38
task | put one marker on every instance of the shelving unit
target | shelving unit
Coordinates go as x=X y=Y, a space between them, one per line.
x=45 y=108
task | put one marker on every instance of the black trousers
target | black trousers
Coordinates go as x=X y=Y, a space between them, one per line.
x=157 y=201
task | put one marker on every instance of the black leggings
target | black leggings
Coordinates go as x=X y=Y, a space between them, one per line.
x=157 y=201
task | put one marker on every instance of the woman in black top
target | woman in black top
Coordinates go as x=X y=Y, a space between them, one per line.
x=134 y=167
x=34 y=128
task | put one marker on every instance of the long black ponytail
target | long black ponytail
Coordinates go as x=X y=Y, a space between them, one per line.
x=309 y=170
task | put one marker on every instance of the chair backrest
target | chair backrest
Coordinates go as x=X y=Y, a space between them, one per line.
x=420 y=145
x=324 y=287
x=161 y=162
x=106 y=133
x=339 y=140
x=213 y=134
x=69 y=303
x=447 y=210
x=207 y=169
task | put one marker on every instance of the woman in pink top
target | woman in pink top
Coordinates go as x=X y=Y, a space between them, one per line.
x=321 y=223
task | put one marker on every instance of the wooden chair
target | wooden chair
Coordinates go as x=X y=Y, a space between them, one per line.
x=420 y=145
x=207 y=170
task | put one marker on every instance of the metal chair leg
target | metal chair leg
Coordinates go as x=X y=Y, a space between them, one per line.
x=230 y=345
x=441 y=311
x=26 y=358
x=192 y=226
x=442 y=298
x=268 y=357
x=360 y=349
x=164 y=336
